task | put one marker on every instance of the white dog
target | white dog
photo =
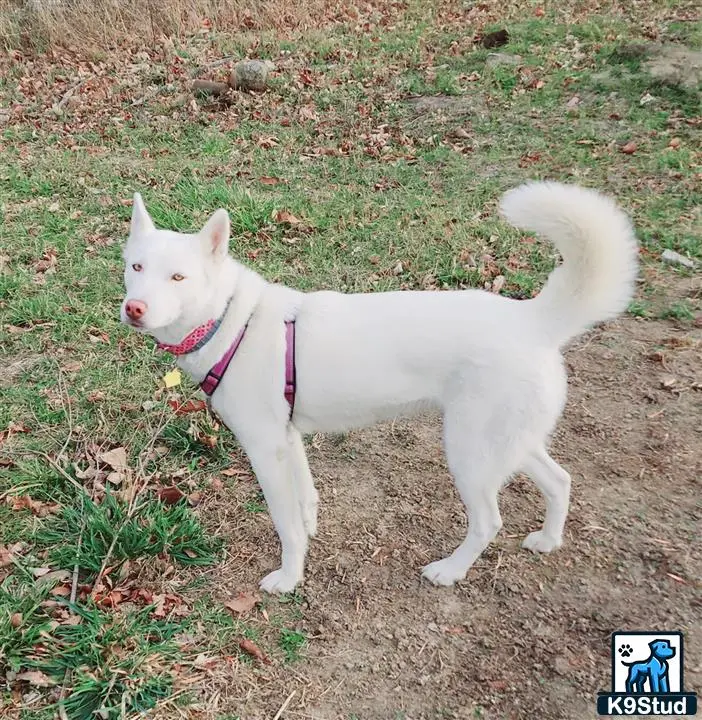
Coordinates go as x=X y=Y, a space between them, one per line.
x=490 y=364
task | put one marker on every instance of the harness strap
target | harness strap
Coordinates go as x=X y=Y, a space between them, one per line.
x=216 y=373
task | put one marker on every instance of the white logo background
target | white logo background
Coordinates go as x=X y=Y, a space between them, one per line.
x=641 y=652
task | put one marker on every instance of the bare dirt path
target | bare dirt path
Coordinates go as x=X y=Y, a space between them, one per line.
x=523 y=636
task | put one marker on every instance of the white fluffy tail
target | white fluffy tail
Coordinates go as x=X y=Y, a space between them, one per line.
x=599 y=249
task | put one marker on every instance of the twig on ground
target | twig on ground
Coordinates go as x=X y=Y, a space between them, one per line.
x=57 y=467
x=284 y=705
x=66 y=402
x=70 y=92
x=208 y=66
x=63 y=715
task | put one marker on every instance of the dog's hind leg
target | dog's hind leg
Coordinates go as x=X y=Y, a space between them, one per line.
x=478 y=469
x=307 y=495
x=554 y=483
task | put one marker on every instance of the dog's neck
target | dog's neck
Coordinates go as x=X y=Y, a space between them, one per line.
x=232 y=282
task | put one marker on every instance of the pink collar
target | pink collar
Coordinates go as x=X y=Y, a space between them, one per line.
x=195 y=339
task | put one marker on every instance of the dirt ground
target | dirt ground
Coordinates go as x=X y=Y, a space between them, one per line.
x=524 y=636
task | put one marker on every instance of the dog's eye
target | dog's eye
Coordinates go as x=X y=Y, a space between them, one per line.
x=137 y=267
x=177 y=277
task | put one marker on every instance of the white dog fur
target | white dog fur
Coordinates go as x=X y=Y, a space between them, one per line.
x=490 y=364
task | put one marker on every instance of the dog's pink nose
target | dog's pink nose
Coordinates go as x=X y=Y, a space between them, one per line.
x=135 y=309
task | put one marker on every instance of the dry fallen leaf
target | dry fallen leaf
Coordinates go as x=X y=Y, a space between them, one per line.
x=170 y=495
x=116 y=459
x=47 y=576
x=16 y=619
x=47 y=262
x=243 y=602
x=267 y=142
x=191 y=406
x=629 y=148
x=40 y=572
x=36 y=678
x=61 y=591
x=37 y=507
x=285 y=217
x=267 y=180
x=14 y=427
x=454 y=630
x=111 y=599
x=86 y=474
x=72 y=366
x=7 y=554
x=250 y=648
x=234 y=472
x=195 y=498
x=205 y=662
x=115 y=478
x=209 y=440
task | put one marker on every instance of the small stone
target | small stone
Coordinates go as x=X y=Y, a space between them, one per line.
x=250 y=75
x=561 y=665
x=667 y=381
x=674 y=258
x=496 y=59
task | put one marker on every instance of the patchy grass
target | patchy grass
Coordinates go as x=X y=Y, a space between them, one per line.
x=390 y=134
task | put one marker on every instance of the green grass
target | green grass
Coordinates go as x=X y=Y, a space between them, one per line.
x=82 y=535
x=292 y=643
x=114 y=659
x=389 y=198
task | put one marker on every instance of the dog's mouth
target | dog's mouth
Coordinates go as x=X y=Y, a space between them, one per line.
x=136 y=324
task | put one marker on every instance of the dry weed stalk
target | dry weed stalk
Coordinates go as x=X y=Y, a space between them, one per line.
x=103 y=25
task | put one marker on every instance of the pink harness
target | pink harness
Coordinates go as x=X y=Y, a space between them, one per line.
x=200 y=335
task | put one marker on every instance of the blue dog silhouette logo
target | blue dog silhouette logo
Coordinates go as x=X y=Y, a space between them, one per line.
x=647 y=676
x=653 y=671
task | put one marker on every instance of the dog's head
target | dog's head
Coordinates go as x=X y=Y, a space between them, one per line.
x=661 y=649
x=170 y=277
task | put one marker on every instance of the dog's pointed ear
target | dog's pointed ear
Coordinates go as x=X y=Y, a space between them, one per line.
x=215 y=234
x=141 y=220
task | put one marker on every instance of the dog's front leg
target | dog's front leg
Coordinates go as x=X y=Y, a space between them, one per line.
x=308 y=497
x=269 y=454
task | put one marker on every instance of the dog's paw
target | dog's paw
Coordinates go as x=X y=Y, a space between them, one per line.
x=540 y=542
x=626 y=650
x=279 y=582
x=443 y=572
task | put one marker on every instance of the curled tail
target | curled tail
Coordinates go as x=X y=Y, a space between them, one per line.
x=599 y=249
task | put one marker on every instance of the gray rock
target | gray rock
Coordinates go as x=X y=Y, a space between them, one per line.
x=496 y=59
x=250 y=75
x=673 y=258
